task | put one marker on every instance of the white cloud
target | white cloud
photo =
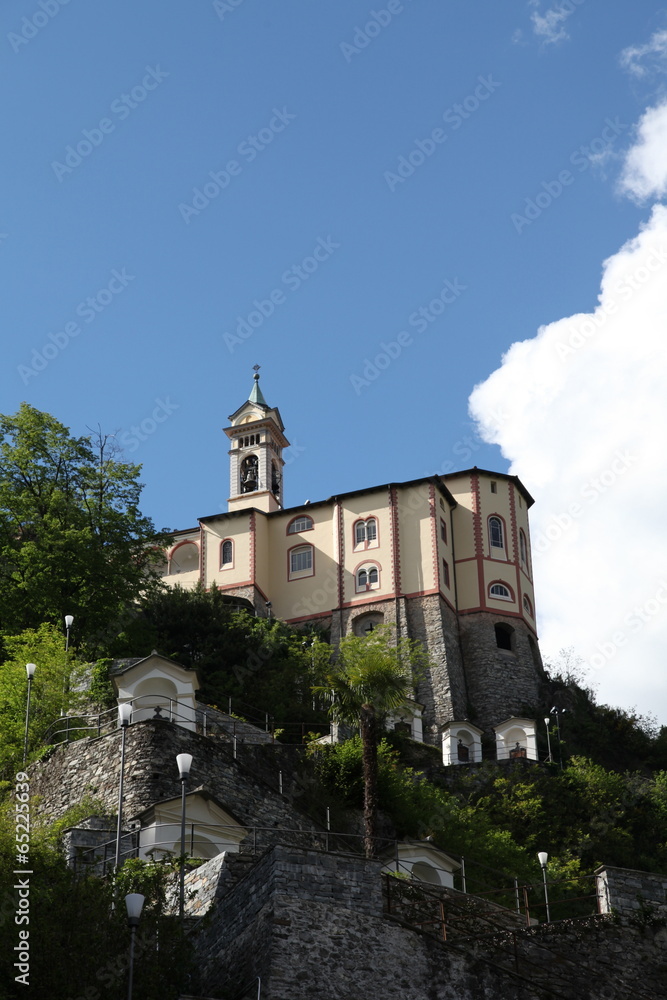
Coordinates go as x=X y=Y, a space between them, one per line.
x=645 y=169
x=584 y=425
x=635 y=57
x=549 y=26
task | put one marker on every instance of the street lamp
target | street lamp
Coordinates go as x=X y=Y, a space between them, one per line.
x=134 y=901
x=543 y=857
x=184 y=761
x=558 y=712
x=124 y=715
x=69 y=621
x=30 y=671
x=546 y=723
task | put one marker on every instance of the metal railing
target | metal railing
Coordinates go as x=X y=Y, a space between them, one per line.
x=241 y=839
x=446 y=914
x=201 y=719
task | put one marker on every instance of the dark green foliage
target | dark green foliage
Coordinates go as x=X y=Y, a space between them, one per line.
x=101 y=691
x=262 y=664
x=79 y=939
x=619 y=739
x=72 y=538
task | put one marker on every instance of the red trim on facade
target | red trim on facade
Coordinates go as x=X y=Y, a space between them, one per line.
x=433 y=514
x=395 y=544
x=477 y=532
x=515 y=538
x=252 y=527
x=341 y=553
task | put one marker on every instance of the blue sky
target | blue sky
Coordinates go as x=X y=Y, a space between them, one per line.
x=179 y=165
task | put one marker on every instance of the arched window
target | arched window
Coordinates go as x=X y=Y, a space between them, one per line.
x=367 y=578
x=226 y=554
x=301 y=523
x=527 y=606
x=496 y=533
x=500 y=591
x=504 y=636
x=300 y=561
x=366 y=533
x=249 y=474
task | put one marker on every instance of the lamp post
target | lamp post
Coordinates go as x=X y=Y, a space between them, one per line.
x=549 y=757
x=69 y=621
x=543 y=857
x=558 y=712
x=184 y=761
x=30 y=671
x=124 y=715
x=134 y=902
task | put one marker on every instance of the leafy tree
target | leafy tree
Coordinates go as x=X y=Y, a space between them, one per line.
x=371 y=676
x=51 y=694
x=72 y=538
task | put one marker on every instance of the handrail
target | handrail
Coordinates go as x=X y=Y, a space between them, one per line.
x=205 y=719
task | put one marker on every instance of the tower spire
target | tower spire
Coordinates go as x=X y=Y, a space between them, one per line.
x=256 y=395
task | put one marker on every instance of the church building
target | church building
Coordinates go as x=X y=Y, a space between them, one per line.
x=445 y=559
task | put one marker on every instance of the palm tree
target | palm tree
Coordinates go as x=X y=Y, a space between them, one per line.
x=370 y=677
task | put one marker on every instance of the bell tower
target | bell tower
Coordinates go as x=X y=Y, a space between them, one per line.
x=257 y=439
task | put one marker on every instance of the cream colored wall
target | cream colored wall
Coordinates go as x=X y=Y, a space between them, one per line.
x=308 y=595
x=415 y=527
x=236 y=528
x=373 y=504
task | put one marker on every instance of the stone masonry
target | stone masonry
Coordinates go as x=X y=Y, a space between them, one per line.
x=90 y=768
x=305 y=924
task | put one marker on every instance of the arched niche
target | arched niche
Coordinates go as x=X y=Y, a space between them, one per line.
x=516 y=739
x=461 y=743
x=184 y=558
x=157 y=683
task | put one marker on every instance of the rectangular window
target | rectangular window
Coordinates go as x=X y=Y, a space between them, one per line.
x=445 y=573
x=443 y=530
x=494 y=487
x=301 y=559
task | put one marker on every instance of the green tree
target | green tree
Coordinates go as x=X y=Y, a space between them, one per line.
x=72 y=537
x=51 y=691
x=371 y=676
